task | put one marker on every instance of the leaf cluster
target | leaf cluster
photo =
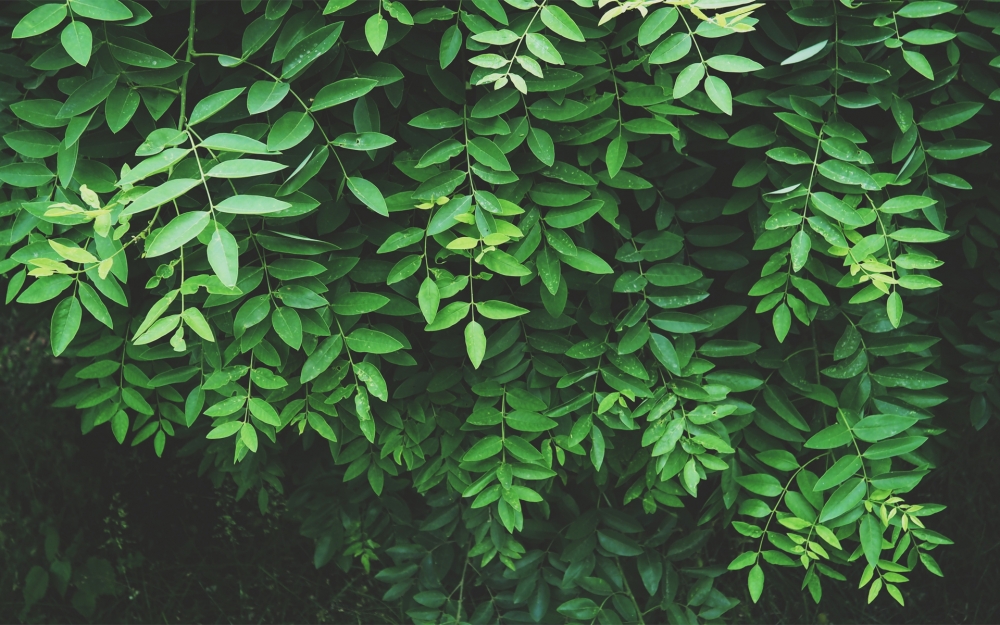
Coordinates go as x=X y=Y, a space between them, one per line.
x=559 y=290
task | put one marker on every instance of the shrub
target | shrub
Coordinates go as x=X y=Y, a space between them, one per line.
x=491 y=265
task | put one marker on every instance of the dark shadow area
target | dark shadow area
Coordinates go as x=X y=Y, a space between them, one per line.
x=145 y=539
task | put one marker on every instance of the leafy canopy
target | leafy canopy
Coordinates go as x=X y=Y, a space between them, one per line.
x=553 y=292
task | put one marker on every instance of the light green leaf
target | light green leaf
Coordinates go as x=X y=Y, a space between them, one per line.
x=213 y=104
x=372 y=378
x=264 y=95
x=169 y=190
x=244 y=168
x=673 y=48
x=179 y=231
x=559 y=22
x=368 y=341
x=656 y=24
x=251 y=205
x=541 y=47
x=288 y=326
x=496 y=309
x=451 y=45
x=40 y=20
x=105 y=10
x=65 y=324
x=755 y=582
x=376 y=31
x=718 y=91
x=428 y=297
x=78 y=41
x=290 y=130
x=223 y=256
x=733 y=63
x=342 y=91
x=475 y=343
x=806 y=53
x=369 y=195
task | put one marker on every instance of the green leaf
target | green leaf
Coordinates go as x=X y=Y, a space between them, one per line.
x=506 y=265
x=342 y=91
x=251 y=204
x=139 y=54
x=65 y=324
x=311 y=48
x=919 y=63
x=372 y=378
x=321 y=359
x=673 y=48
x=954 y=149
x=806 y=53
x=368 y=341
x=881 y=426
x=487 y=153
x=88 y=95
x=842 y=469
x=801 y=244
x=358 y=303
x=949 y=116
x=845 y=173
x=40 y=20
x=559 y=22
x=376 y=31
x=475 y=343
x=496 y=309
x=318 y=423
x=25 y=175
x=616 y=153
x=449 y=316
x=264 y=95
x=657 y=24
x=158 y=196
x=249 y=437
x=850 y=494
x=526 y=421
x=541 y=47
x=894 y=447
x=580 y=609
x=119 y=108
x=213 y=104
x=223 y=256
x=894 y=308
x=487 y=447
x=78 y=41
x=288 y=326
x=94 y=305
x=244 y=168
x=733 y=63
x=781 y=321
x=870 y=531
x=761 y=484
x=32 y=143
x=264 y=412
x=718 y=91
x=429 y=297
x=925 y=8
x=755 y=582
x=105 y=10
x=290 y=130
x=179 y=231
x=451 y=45
x=835 y=209
x=369 y=195
x=225 y=430
x=197 y=322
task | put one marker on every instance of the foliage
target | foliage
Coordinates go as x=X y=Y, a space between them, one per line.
x=464 y=254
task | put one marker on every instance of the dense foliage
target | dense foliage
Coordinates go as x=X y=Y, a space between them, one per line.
x=474 y=260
